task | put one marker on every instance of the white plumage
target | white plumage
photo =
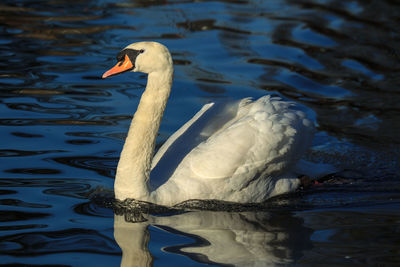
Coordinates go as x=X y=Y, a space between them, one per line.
x=241 y=151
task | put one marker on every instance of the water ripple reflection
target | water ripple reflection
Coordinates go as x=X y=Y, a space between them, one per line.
x=252 y=238
x=71 y=240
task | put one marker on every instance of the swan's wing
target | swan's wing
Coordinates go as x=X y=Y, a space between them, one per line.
x=221 y=155
x=210 y=119
x=267 y=138
x=161 y=151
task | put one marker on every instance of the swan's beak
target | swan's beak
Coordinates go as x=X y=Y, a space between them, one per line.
x=122 y=66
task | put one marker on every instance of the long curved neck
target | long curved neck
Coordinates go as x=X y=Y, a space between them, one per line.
x=134 y=166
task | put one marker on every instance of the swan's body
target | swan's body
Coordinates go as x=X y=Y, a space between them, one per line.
x=241 y=151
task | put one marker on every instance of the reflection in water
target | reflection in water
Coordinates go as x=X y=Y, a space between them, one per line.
x=224 y=238
x=133 y=239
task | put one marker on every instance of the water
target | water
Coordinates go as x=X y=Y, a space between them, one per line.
x=62 y=129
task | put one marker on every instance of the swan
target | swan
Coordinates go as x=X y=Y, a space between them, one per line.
x=241 y=151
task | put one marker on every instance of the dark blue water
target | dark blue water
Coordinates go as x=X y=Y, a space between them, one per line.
x=62 y=129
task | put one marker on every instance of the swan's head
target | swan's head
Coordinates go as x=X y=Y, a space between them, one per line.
x=144 y=57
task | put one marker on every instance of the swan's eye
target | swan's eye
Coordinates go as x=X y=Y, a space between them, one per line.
x=141 y=51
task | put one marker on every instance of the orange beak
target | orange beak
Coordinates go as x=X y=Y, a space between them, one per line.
x=122 y=66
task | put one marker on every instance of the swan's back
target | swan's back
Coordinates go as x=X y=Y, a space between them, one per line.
x=242 y=151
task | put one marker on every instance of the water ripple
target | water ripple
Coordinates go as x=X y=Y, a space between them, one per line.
x=77 y=188
x=68 y=240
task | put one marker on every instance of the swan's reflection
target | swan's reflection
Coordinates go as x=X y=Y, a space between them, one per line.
x=239 y=239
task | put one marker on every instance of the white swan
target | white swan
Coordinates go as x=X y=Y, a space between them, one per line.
x=241 y=151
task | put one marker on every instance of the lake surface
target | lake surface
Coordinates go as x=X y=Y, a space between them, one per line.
x=62 y=129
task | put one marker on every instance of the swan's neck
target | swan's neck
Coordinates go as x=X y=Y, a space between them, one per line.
x=134 y=166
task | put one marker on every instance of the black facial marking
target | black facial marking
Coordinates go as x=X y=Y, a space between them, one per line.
x=131 y=53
